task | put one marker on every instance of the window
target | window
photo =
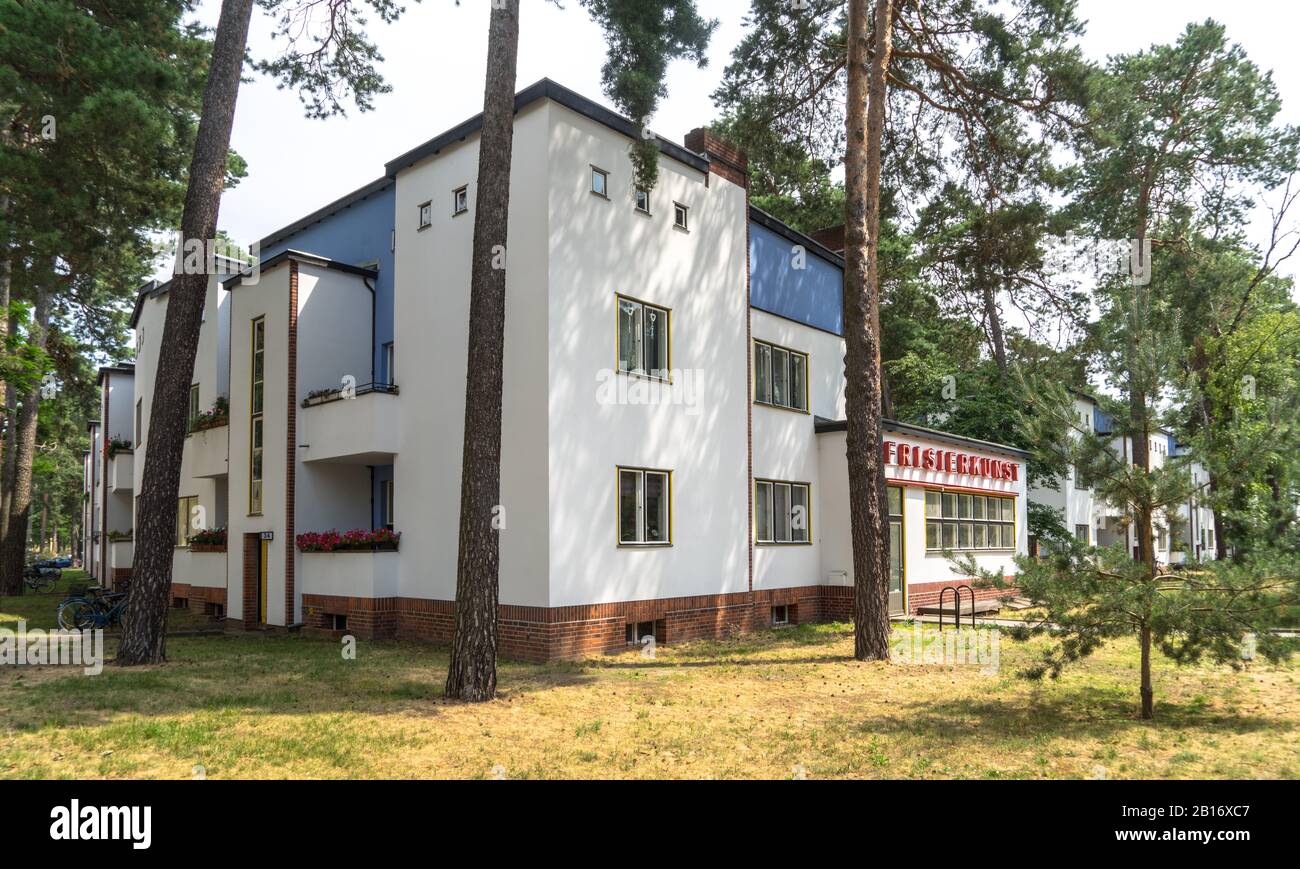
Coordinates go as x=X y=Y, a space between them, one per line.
x=1081 y=533
x=255 y=433
x=780 y=376
x=1080 y=482
x=956 y=520
x=600 y=182
x=426 y=215
x=680 y=216
x=390 y=364
x=186 y=519
x=194 y=402
x=781 y=512
x=781 y=615
x=644 y=509
x=895 y=506
x=386 y=504
x=643 y=335
x=139 y=421
x=642 y=200
x=460 y=200
x=638 y=631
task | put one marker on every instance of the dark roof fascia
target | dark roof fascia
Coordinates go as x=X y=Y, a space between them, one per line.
x=306 y=258
x=326 y=211
x=122 y=368
x=762 y=218
x=823 y=425
x=547 y=89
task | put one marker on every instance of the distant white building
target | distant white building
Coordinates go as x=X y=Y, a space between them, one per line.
x=1187 y=536
x=673 y=457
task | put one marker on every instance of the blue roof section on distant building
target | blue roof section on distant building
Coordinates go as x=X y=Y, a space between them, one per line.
x=813 y=295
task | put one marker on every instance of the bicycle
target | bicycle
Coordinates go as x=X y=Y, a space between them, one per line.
x=97 y=609
x=41 y=578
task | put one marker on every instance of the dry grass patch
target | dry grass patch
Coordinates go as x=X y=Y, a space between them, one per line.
x=771 y=704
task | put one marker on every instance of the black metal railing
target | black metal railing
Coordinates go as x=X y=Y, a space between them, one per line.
x=325 y=396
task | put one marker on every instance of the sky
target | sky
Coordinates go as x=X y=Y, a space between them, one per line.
x=435 y=54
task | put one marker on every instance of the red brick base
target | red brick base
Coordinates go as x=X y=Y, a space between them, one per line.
x=927 y=593
x=120 y=576
x=551 y=633
x=205 y=600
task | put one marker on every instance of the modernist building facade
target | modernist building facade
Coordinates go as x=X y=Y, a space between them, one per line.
x=1187 y=534
x=108 y=476
x=673 y=457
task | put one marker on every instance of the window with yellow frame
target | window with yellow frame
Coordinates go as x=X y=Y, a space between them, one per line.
x=967 y=522
x=255 y=412
x=644 y=507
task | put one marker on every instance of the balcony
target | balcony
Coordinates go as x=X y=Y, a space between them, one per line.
x=121 y=471
x=356 y=429
x=209 y=451
x=363 y=573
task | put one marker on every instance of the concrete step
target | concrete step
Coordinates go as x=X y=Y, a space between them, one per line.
x=979 y=606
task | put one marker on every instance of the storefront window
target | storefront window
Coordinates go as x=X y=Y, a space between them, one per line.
x=969 y=522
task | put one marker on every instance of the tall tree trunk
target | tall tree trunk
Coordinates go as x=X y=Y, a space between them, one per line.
x=144 y=632
x=868 y=515
x=1148 y=693
x=15 y=542
x=994 y=317
x=472 y=673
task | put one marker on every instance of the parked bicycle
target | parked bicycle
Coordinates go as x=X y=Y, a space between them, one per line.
x=97 y=608
x=41 y=576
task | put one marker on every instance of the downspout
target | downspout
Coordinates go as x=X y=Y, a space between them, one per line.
x=373 y=306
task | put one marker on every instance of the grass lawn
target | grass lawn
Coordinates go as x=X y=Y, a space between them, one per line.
x=771 y=704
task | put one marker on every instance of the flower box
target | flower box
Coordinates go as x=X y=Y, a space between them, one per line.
x=356 y=540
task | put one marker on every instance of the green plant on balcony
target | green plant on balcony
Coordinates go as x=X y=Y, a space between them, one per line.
x=118 y=445
x=215 y=417
x=121 y=536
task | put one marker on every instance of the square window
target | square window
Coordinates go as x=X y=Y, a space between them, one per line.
x=460 y=200
x=780 y=615
x=680 y=216
x=644 y=506
x=600 y=182
x=426 y=214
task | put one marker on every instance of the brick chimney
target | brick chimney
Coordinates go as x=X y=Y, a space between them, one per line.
x=832 y=238
x=725 y=159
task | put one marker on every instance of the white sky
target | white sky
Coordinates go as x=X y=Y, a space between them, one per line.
x=435 y=56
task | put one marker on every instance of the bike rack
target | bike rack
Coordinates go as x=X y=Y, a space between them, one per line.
x=956 y=604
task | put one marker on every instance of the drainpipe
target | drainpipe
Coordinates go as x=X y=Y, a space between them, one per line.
x=373 y=306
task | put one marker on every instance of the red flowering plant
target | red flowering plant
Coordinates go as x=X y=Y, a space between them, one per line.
x=209 y=537
x=358 y=539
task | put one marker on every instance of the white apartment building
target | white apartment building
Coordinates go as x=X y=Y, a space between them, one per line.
x=109 y=480
x=673 y=457
x=1189 y=535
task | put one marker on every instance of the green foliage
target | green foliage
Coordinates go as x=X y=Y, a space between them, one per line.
x=1218 y=611
x=643 y=36
x=328 y=57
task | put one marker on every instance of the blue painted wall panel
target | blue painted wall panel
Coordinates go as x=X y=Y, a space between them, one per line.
x=360 y=234
x=813 y=295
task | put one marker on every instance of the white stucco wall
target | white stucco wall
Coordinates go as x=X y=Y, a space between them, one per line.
x=268 y=298
x=601 y=247
x=432 y=276
x=786 y=446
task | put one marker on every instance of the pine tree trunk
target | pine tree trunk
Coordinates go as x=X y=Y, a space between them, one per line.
x=996 y=338
x=472 y=672
x=14 y=555
x=145 y=620
x=1148 y=694
x=868 y=515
